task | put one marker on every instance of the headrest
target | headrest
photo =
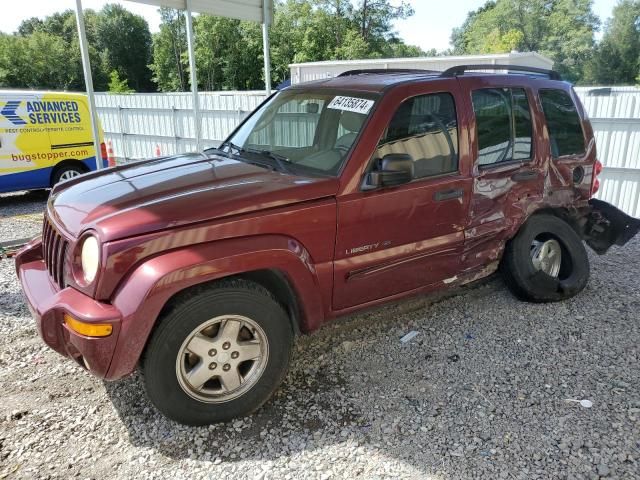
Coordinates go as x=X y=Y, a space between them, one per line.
x=352 y=121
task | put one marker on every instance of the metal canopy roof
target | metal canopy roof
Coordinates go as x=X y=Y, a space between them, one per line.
x=253 y=10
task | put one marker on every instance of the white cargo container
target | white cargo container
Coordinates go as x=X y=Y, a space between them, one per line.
x=305 y=72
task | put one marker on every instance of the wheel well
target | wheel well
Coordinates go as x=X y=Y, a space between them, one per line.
x=277 y=283
x=272 y=280
x=572 y=216
x=65 y=163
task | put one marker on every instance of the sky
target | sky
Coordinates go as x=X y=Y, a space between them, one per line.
x=430 y=27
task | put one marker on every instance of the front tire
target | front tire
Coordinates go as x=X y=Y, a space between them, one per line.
x=546 y=261
x=218 y=353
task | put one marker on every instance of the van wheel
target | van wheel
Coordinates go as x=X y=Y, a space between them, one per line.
x=66 y=172
x=546 y=261
x=218 y=353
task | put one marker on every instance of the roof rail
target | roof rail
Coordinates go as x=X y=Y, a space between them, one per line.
x=348 y=73
x=461 y=69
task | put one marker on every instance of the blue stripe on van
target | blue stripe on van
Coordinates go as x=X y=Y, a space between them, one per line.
x=38 y=178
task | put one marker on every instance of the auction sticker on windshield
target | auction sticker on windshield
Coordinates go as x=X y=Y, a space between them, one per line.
x=351 y=104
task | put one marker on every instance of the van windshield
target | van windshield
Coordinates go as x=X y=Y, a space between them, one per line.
x=303 y=131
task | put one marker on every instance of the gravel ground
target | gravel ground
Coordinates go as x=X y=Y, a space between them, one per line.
x=480 y=392
x=21 y=214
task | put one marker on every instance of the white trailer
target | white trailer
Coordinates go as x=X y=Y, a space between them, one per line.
x=305 y=72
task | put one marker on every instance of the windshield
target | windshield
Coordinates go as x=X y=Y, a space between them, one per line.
x=303 y=131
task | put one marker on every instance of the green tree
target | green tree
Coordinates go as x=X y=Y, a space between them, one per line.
x=352 y=47
x=124 y=41
x=117 y=84
x=375 y=20
x=169 y=64
x=228 y=53
x=560 y=29
x=617 y=58
x=39 y=60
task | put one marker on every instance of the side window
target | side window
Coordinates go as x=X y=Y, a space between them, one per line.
x=426 y=128
x=503 y=124
x=563 y=122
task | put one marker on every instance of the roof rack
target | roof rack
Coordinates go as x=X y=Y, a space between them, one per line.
x=461 y=69
x=349 y=73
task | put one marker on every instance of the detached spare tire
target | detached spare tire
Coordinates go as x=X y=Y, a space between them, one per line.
x=546 y=261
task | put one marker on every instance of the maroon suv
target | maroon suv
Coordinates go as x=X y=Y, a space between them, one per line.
x=333 y=196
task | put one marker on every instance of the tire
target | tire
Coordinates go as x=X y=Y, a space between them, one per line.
x=534 y=284
x=169 y=364
x=65 y=172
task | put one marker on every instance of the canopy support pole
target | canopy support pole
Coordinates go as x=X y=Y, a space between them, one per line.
x=266 y=21
x=88 y=81
x=193 y=75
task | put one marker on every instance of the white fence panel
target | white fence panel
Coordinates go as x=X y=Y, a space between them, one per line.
x=141 y=125
x=615 y=117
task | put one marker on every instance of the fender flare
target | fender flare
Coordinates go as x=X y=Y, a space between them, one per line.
x=147 y=289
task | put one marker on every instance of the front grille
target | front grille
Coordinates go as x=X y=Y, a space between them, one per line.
x=54 y=249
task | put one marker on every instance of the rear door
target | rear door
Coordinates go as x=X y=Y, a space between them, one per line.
x=396 y=239
x=507 y=167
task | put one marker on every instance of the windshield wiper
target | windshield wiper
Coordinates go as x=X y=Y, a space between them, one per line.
x=280 y=160
x=231 y=146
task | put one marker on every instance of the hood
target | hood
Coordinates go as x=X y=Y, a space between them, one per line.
x=156 y=194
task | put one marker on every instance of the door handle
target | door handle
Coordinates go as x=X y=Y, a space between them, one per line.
x=448 y=194
x=524 y=176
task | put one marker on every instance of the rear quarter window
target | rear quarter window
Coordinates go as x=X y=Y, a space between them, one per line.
x=563 y=122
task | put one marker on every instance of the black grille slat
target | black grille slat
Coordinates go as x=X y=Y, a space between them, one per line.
x=54 y=252
x=45 y=240
x=54 y=256
x=50 y=249
x=63 y=261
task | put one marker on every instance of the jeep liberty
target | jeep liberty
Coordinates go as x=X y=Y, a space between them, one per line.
x=332 y=196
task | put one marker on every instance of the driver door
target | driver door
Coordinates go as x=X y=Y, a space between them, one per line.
x=396 y=239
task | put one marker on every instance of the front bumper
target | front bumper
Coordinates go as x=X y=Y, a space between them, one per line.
x=48 y=304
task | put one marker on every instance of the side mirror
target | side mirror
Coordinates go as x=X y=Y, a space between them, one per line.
x=393 y=169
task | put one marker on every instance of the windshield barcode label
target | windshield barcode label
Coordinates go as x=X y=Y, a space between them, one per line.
x=351 y=104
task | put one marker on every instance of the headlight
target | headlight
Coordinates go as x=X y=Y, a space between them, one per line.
x=90 y=258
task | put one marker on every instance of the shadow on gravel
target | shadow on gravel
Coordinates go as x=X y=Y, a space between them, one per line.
x=27 y=202
x=320 y=404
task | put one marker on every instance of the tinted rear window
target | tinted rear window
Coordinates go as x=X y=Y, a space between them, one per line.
x=563 y=122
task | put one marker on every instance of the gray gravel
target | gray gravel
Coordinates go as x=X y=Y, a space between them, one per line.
x=480 y=392
x=21 y=214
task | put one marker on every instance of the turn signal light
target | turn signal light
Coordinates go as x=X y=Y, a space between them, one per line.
x=88 y=329
x=597 y=168
x=595 y=183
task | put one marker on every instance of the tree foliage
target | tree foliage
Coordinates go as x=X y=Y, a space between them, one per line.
x=229 y=52
x=45 y=53
x=169 y=65
x=117 y=84
x=616 y=59
x=560 y=29
x=124 y=42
